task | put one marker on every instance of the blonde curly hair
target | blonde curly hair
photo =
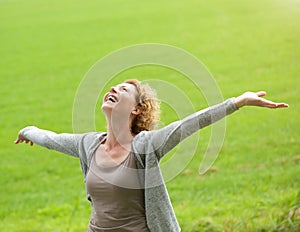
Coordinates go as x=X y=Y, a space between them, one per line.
x=148 y=105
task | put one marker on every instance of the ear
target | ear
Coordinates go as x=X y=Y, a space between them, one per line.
x=136 y=111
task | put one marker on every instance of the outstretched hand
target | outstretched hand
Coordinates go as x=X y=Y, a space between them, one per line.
x=22 y=139
x=255 y=99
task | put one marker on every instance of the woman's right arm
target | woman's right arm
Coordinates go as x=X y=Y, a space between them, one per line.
x=65 y=143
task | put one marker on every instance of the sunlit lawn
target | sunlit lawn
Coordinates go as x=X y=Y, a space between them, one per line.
x=48 y=46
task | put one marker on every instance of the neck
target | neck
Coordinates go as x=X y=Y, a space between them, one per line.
x=118 y=134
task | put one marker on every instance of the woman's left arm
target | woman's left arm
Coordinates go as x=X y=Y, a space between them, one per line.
x=166 y=138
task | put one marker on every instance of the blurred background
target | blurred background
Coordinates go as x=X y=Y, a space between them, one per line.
x=46 y=49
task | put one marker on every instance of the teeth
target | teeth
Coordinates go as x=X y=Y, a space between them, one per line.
x=112 y=98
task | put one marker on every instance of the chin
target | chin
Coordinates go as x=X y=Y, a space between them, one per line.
x=106 y=107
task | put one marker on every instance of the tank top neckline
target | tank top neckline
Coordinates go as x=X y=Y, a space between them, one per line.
x=116 y=166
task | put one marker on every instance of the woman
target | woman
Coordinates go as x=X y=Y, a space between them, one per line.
x=120 y=166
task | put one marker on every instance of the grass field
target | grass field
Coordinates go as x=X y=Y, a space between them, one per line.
x=48 y=46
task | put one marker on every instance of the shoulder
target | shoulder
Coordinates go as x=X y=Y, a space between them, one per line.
x=88 y=142
x=91 y=137
x=141 y=137
x=142 y=142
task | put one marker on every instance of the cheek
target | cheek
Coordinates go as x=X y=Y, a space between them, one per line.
x=128 y=98
x=127 y=103
x=104 y=97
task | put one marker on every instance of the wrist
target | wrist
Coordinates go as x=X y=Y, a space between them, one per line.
x=239 y=102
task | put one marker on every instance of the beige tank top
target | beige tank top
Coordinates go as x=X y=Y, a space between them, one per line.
x=117 y=200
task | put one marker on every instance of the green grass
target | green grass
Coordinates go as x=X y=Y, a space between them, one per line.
x=48 y=46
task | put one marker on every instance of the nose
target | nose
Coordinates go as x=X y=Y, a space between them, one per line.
x=113 y=90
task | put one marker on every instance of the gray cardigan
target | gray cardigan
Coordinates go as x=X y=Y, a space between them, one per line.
x=148 y=147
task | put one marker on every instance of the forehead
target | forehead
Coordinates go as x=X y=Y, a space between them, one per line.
x=128 y=86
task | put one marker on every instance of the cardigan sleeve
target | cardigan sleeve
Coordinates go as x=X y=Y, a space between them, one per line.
x=65 y=143
x=166 y=138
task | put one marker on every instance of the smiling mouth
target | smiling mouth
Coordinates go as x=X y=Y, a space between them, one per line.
x=112 y=98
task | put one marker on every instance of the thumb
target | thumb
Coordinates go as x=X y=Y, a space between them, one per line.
x=261 y=93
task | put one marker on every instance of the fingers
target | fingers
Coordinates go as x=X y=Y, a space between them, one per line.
x=270 y=104
x=19 y=140
x=281 y=105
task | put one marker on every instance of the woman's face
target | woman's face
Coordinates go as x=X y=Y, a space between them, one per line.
x=121 y=98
